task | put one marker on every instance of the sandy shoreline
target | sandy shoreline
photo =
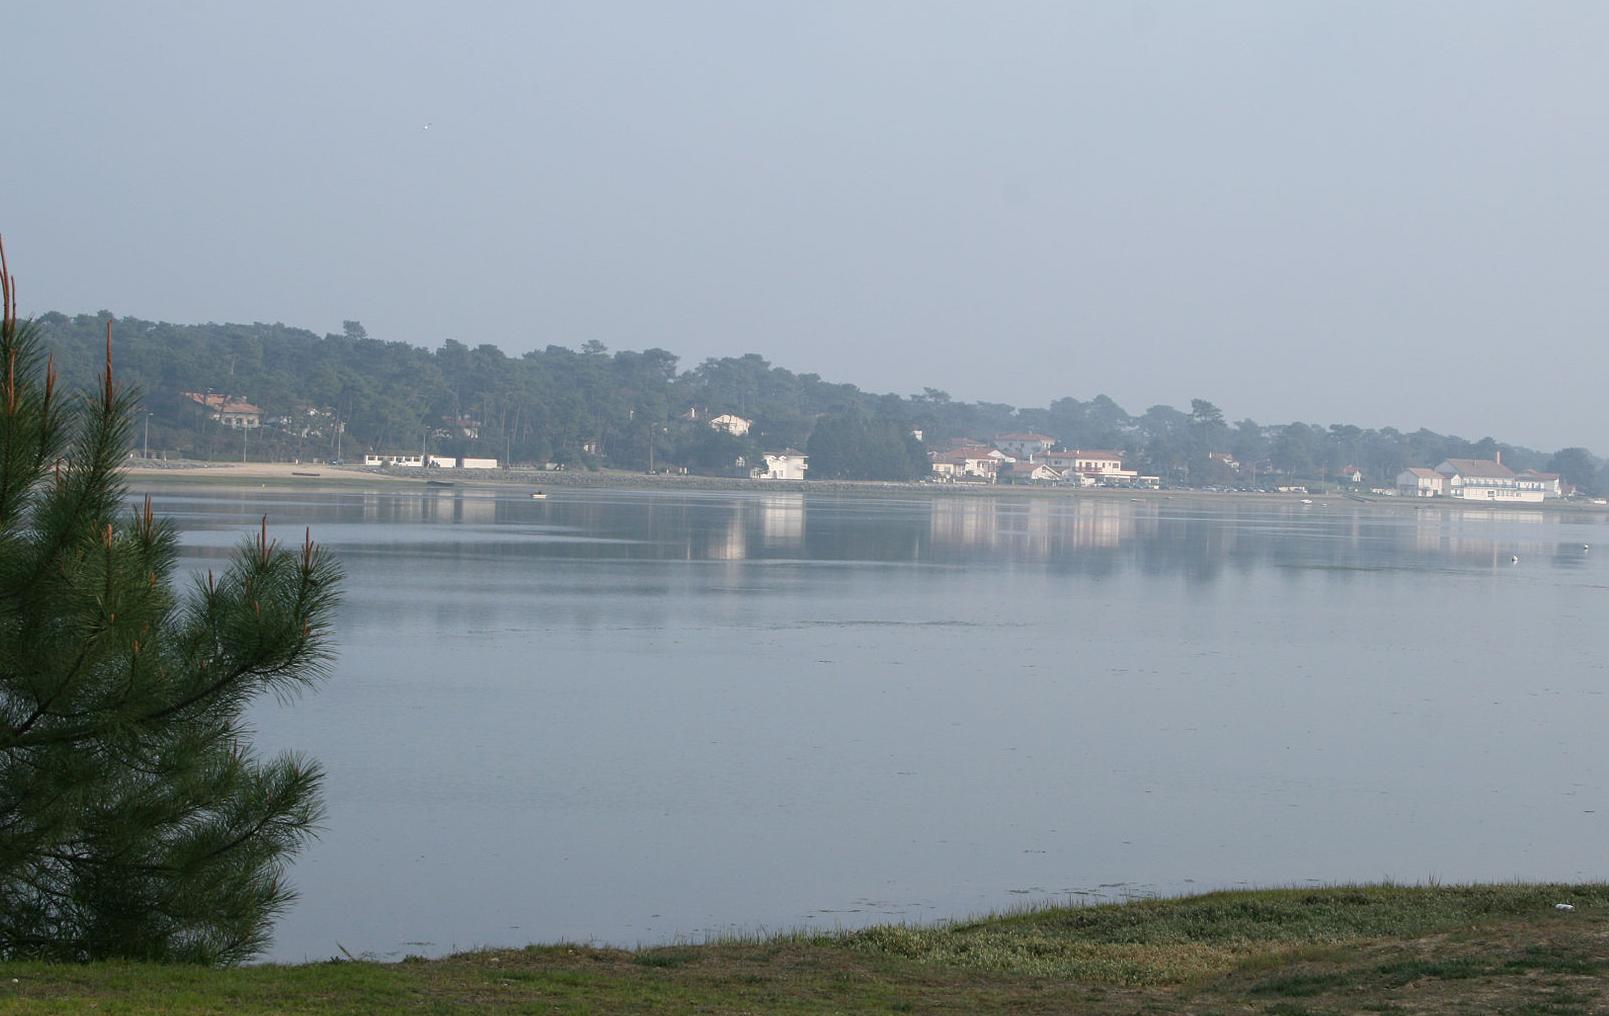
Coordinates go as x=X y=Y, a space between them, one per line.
x=241 y=471
x=321 y=474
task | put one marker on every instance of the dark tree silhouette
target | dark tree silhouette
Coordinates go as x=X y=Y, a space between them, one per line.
x=135 y=820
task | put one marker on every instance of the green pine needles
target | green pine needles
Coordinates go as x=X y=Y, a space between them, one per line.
x=135 y=821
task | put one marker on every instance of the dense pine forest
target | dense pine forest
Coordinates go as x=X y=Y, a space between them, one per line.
x=347 y=394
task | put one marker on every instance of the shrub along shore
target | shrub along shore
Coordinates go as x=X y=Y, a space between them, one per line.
x=1380 y=948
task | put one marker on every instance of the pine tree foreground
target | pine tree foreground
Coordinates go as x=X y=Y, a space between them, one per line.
x=135 y=821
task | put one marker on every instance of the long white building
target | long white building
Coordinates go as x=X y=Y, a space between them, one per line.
x=1487 y=480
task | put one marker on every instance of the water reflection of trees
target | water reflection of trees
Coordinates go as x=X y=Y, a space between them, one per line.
x=1089 y=535
x=1095 y=536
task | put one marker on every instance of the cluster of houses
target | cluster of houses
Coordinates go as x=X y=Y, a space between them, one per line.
x=236 y=413
x=1010 y=458
x=787 y=464
x=1480 y=480
x=1029 y=458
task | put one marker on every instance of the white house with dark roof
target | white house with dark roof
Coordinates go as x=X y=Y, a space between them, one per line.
x=974 y=463
x=229 y=410
x=1550 y=484
x=1029 y=472
x=1417 y=481
x=1486 y=480
x=1100 y=466
x=1024 y=446
x=731 y=423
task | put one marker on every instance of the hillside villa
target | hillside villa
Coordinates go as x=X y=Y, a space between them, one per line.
x=228 y=410
x=731 y=423
x=728 y=423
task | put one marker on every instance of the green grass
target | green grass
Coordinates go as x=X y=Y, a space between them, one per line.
x=1385 y=949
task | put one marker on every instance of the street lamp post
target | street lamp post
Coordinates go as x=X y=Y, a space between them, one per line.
x=146 y=453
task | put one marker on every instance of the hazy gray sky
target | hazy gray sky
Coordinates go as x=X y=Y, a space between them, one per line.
x=1384 y=213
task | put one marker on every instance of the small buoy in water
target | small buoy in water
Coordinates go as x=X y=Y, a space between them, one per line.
x=1586 y=546
x=1514 y=559
x=1563 y=906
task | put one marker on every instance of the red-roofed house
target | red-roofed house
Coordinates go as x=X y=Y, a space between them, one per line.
x=229 y=410
x=976 y=463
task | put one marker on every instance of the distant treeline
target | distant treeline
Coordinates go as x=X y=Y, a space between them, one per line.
x=592 y=407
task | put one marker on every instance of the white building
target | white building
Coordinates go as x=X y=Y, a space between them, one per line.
x=1550 y=484
x=977 y=463
x=731 y=423
x=228 y=410
x=1100 y=466
x=1417 y=481
x=428 y=462
x=405 y=461
x=788 y=464
x=1024 y=446
x=1486 y=480
x=1030 y=472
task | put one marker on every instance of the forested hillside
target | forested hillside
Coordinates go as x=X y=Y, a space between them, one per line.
x=596 y=407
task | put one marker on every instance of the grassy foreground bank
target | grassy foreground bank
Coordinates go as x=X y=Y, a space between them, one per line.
x=1386 y=949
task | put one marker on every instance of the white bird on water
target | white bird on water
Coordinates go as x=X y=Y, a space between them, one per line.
x=1514 y=559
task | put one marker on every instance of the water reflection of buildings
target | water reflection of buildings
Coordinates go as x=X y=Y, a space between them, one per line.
x=1036 y=528
x=432 y=505
x=727 y=541
x=774 y=523
x=1200 y=540
x=782 y=521
x=1476 y=536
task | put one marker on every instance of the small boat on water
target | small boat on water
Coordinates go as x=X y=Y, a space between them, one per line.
x=295 y=473
x=537 y=495
x=438 y=483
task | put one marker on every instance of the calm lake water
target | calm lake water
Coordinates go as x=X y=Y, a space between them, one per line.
x=640 y=717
